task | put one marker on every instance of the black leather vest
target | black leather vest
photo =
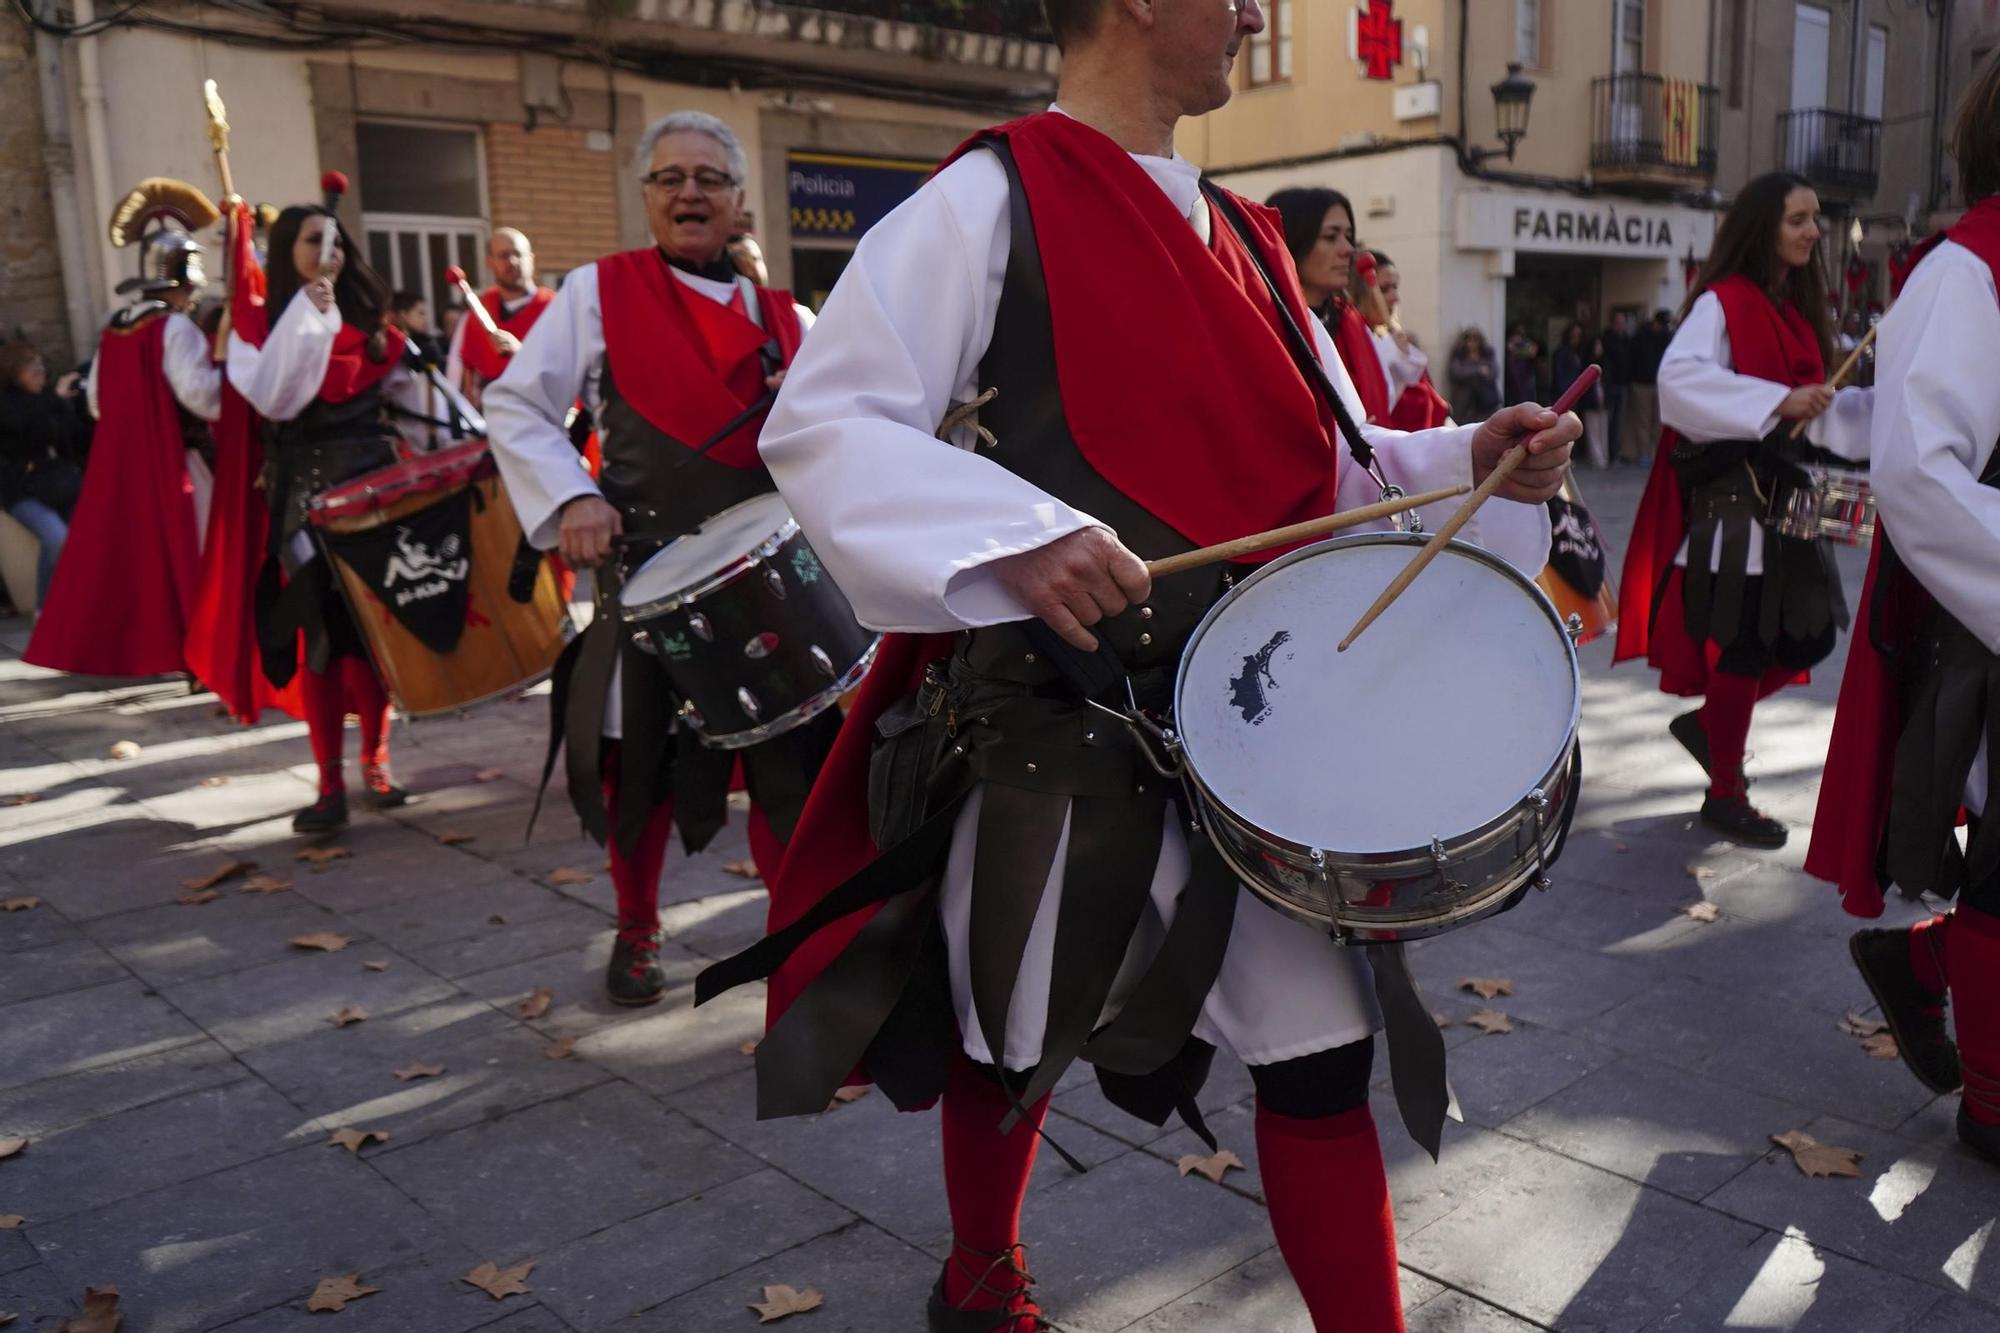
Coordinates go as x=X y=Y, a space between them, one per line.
x=659 y=488
x=323 y=446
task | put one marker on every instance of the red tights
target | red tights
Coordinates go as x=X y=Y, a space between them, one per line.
x=348 y=685
x=1961 y=953
x=1725 y=719
x=636 y=877
x=985 y=1182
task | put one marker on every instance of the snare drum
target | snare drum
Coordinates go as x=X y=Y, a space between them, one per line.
x=748 y=625
x=424 y=548
x=1419 y=781
x=1838 y=506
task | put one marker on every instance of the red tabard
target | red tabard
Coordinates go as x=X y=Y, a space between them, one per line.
x=476 y=349
x=1421 y=407
x=1356 y=345
x=132 y=541
x=1172 y=370
x=1860 y=757
x=652 y=321
x=1766 y=341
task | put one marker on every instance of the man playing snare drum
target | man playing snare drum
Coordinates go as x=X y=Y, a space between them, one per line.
x=664 y=346
x=1148 y=402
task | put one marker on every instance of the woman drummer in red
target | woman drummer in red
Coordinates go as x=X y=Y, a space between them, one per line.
x=331 y=380
x=1319 y=232
x=1716 y=598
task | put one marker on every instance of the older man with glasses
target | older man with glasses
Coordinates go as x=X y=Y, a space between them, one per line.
x=665 y=347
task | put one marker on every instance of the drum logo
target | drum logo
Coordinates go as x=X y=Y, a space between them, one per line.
x=806 y=566
x=1246 y=691
x=426 y=574
x=418 y=568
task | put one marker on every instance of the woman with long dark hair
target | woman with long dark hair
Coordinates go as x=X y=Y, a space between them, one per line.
x=333 y=382
x=1319 y=233
x=1734 y=611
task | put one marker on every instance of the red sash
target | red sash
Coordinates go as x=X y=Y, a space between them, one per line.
x=1356 y=345
x=1178 y=389
x=1861 y=755
x=686 y=363
x=1771 y=343
x=476 y=348
x=132 y=541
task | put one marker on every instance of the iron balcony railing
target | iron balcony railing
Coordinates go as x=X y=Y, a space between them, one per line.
x=995 y=18
x=1646 y=123
x=1836 y=151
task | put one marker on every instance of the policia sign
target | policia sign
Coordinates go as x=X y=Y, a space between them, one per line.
x=838 y=196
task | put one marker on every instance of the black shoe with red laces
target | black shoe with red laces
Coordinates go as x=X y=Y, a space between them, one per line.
x=378 y=790
x=634 y=976
x=1005 y=1279
x=325 y=815
x=1915 y=1015
x=1739 y=821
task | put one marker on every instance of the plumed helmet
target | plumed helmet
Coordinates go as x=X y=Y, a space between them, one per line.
x=159 y=215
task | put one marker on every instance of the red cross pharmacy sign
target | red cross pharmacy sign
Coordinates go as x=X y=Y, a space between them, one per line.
x=1375 y=38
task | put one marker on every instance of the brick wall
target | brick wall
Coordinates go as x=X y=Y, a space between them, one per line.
x=31 y=288
x=550 y=184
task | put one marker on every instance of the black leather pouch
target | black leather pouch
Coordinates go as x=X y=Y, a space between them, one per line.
x=909 y=736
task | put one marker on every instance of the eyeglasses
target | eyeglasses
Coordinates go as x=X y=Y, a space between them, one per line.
x=673 y=180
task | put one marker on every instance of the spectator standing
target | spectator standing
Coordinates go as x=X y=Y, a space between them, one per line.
x=1598 y=442
x=1474 y=374
x=412 y=314
x=1523 y=357
x=1642 y=394
x=1617 y=365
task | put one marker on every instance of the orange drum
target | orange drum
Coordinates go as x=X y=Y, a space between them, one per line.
x=1577 y=544
x=425 y=549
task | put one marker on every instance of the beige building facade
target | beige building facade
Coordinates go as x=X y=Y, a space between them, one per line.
x=444 y=137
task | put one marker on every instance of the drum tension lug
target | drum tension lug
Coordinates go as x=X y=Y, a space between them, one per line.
x=1573 y=627
x=1540 y=800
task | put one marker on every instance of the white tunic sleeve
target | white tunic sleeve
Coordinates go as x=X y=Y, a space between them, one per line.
x=191 y=369
x=906 y=523
x=1934 y=434
x=560 y=361
x=283 y=376
x=1701 y=395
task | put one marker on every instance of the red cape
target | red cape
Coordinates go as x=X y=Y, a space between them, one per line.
x=476 y=349
x=1764 y=341
x=651 y=320
x=126 y=582
x=1421 y=407
x=1356 y=345
x=1117 y=257
x=1860 y=758
x=221 y=644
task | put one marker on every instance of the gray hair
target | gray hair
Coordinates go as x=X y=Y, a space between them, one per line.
x=693 y=122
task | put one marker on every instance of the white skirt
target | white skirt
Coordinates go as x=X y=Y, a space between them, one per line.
x=1285 y=989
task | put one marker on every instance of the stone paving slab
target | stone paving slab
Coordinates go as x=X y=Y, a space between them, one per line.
x=60 y=1034
x=35 y=1294
x=422 y=1297
x=54 y=968
x=865 y=1275
x=170 y=943
x=1784 y=1281
x=294 y=996
x=37 y=1110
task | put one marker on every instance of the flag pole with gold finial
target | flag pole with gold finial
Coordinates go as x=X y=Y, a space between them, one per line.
x=218 y=140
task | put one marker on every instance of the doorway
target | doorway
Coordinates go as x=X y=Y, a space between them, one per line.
x=1547 y=293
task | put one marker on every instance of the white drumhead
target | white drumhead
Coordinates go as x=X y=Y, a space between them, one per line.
x=723 y=539
x=1439 y=719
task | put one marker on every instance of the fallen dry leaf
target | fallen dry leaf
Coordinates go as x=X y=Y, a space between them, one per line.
x=1881 y=1046
x=375 y=965
x=537 y=1003
x=228 y=870
x=496 y=920
x=454 y=839
x=559 y=1050
x=197 y=899
x=346 y=1014
x=326 y=941
x=1442 y=1019
x=747 y=1048
x=489 y=775
x=418 y=1069
x=500 y=1283
x=100 y=1313
x=1491 y=1021
x=19 y=904
x=1701 y=911
x=1818 y=1159
x=1854 y=1025
x=562 y=875
x=780 y=1301
x=319 y=856
x=264 y=884
x=11 y=1221
x=11 y=1148
x=20 y=798
x=1701 y=872
x=354 y=1140
x=1622 y=848
x=333 y=1293
x=741 y=869
x=847 y=1096
x=7 y=1318
x=1486 y=987
x=1215 y=1168
x=215 y=782
x=125 y=750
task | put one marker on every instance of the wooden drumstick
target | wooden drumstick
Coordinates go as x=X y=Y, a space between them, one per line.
x=1510 y=460
x=1839 y=376
x=1297 y=532
x=474 y=306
